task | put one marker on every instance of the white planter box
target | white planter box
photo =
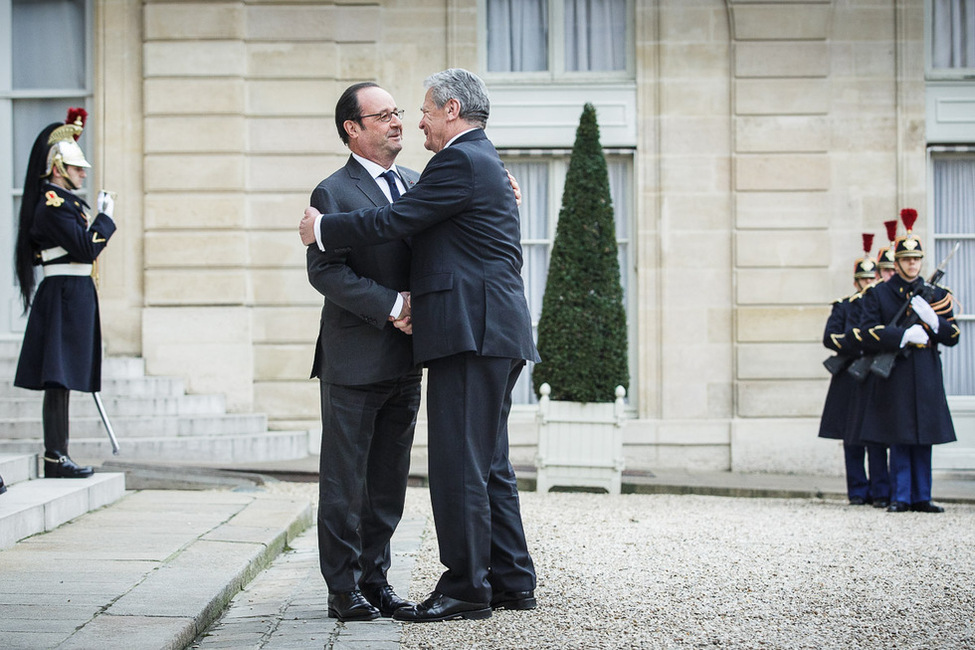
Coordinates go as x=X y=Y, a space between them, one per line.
x=580 y=445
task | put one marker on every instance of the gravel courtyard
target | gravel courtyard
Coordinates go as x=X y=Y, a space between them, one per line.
x=666 y=571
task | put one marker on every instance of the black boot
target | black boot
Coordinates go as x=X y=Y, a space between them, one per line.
x=57 y=464
x=60 y=466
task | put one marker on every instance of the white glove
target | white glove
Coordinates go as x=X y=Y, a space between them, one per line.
x=914 y=334
x=105 y=203
x=925 y=312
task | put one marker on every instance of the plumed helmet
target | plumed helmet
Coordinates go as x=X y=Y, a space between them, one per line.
x=885 y=257
x=865 y=267
x=63 y=143
x=909 y=245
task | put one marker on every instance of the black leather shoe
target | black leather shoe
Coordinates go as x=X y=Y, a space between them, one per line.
x=880 y=503
x=438 y=607
x=925 y=506
x=385 y=600
x=3 y=488
x=513 y=600
x=898 y=506
x=858 y=501
x=351 y=606
x=60 y=466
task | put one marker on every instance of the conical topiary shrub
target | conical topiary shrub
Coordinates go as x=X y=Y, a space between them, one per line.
x=582 y=329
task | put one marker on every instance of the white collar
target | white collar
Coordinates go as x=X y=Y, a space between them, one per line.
x=374 y=169
x=451 y=141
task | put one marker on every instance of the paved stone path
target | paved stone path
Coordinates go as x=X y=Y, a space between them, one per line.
x=285 y=607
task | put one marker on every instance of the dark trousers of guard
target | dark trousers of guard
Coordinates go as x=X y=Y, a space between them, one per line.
x=870 y=484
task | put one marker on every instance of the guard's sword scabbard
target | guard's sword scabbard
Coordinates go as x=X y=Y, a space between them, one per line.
x=106 y=422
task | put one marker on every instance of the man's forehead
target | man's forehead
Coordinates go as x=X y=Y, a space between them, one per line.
x=375 y=98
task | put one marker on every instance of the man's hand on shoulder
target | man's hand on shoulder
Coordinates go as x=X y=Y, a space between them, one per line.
x=306 y=228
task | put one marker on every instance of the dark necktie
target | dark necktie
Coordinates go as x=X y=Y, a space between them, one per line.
x=390 y=177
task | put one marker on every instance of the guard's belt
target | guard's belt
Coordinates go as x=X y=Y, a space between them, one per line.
x=71 y=268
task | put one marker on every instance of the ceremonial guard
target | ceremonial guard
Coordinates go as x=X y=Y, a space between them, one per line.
x=839 y=417
x=62 y=349
x=908 y=411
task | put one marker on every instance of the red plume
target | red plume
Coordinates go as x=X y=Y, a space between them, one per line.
x=867 y=242
x=891 y=227
x=76 y=115
x=908 y=216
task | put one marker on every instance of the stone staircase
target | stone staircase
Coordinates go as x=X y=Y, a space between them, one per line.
x=153 y=418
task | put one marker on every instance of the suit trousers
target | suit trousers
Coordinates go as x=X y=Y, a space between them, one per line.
x=473 y=490
x=367 y=434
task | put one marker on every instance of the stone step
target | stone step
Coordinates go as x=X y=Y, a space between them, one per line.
x=117 y=367
x=142 y=426
x=15 y=468
x=39 y=505
x=114 y=386
x=83 y=405
x=229 y=448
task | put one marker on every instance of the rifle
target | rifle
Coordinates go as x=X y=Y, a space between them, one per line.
x=836 y=363
x=882 y=363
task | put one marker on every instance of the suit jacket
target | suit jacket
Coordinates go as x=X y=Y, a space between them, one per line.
x=356 y=343
x=466 y=286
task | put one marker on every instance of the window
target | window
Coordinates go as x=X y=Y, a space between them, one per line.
x=953 y=192
x=556 y=38
x=46 y=69
x=952 y=39
x=542 y=178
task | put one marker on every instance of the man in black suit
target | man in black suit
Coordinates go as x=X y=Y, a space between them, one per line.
x=370 y=386
x=472 y=330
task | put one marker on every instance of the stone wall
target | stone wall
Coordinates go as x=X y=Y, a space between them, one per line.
x=770 y=135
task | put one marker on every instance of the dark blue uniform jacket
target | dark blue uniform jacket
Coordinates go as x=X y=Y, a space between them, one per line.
x=909 y=407
x=63 y=342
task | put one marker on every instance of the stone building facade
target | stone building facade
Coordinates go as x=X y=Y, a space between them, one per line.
x=757 y=140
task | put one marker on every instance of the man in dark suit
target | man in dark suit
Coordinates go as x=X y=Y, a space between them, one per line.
x=472 y=329
x=370 y=386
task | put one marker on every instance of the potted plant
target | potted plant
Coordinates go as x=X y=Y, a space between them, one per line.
x=583 y=377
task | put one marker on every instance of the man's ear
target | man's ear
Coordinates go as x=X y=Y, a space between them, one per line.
x=351 y=128
x=452 y=109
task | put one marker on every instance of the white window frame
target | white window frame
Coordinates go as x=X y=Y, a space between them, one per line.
x=556 y=49
x=939 y=74
x=955 y=266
